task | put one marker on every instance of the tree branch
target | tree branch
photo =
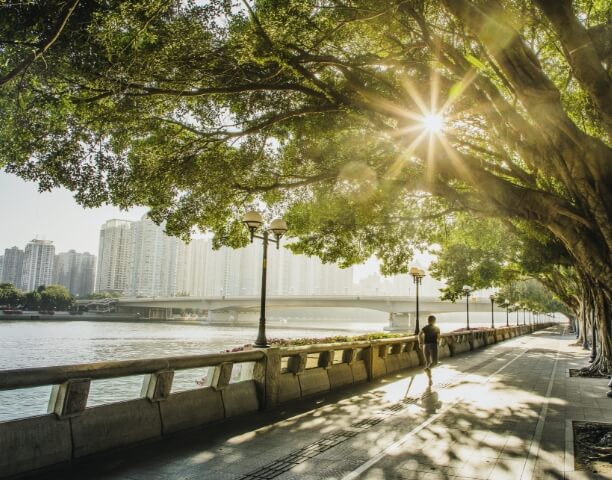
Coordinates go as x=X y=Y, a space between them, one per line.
x=42 y=46
x=582 y=55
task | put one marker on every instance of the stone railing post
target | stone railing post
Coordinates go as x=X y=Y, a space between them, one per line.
x=69 y=398
x=375 y=363
x=222 y=375
x=326 y=359
x=349 y=356
x=157 y=386
x=368 y=357
x=296 y=364
x=267 y=374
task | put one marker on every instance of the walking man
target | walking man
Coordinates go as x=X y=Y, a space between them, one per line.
x=428 y=337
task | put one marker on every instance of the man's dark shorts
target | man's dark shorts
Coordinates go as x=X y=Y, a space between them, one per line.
x=430 y=350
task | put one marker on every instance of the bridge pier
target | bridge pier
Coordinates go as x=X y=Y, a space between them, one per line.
x=405 y=321
x=401 y=322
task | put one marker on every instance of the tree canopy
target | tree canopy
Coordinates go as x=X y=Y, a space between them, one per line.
x=10 y=296
x=360 y=121
x=55 y=297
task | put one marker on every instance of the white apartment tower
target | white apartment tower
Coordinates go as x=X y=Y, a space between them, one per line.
x=154 y=261
x=114 y=255
x=75 y=271
x=12 y=266
x=191 y=263
x=38 y=261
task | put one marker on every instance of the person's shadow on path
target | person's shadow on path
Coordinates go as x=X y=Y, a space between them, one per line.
x=430 y=400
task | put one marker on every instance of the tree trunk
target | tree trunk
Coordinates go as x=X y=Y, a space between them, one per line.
x=602 y=365
x=582 y=320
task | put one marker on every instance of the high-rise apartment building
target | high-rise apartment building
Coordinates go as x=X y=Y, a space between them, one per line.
x=153 y=263
x=114 y=256
x=75 y=271
x=12 y=266
x=238 y=272
x=38 y=262
x=139 y=259
x=217 y=271
x=192 y=258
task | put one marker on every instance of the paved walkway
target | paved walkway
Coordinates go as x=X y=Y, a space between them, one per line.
x=504 y=412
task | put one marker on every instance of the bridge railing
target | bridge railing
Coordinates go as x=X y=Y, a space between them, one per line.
x=238 y=383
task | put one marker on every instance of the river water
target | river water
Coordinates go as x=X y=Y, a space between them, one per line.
x=36 y=343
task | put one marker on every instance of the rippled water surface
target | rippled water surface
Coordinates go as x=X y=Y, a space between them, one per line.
x=35 y=344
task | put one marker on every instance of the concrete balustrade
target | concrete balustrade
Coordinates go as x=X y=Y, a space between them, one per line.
x=479 y=339
x=71 y=430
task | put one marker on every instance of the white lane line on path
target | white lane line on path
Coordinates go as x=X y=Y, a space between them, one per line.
x=377 y=458
x=534 y=448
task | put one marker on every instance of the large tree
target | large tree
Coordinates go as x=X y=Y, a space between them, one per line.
x=203 y=111
x=55 y=297
x=10 y=296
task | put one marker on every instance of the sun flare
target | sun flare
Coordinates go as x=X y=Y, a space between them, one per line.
x=433 y=122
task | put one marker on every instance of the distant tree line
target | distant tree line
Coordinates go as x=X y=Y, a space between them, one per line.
x=51 y=297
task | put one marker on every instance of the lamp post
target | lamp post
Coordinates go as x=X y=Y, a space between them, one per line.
x=492 y=298
x=278 y=228
x=507 y=305
x=518 y=307
x=466 y=291
x=417 y=276
x=524 y=317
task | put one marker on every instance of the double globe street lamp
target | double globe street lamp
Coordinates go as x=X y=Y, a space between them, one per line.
x=466 y=291
x=417 y=276
x=278 y=227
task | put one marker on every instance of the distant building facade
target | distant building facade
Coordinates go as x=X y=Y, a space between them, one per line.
x=203 y=271
x=153 y=265
x=192 y=258
x=12 y=266
x=38 y=262
x=114 y=256
x=75 y=271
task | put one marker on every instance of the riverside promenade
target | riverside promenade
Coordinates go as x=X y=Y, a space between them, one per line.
x=503 y=412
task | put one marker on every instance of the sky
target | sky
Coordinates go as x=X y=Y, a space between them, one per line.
x=25 y=214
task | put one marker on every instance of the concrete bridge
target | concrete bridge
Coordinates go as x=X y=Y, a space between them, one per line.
x=242 y=309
